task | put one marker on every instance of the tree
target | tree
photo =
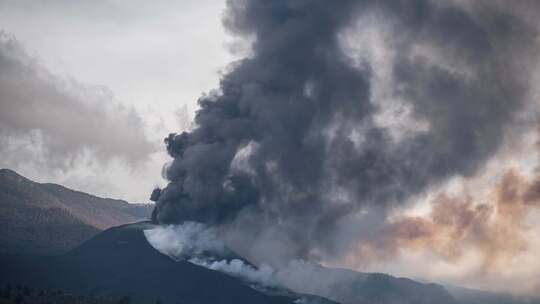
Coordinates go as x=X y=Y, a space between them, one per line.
x=27 y=291
x=6 y=292
x=18 y=298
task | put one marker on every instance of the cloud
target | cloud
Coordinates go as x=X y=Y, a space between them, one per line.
x=57 y=122
x=496 y=226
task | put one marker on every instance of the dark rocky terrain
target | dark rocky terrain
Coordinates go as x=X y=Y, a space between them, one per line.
x=120 y=262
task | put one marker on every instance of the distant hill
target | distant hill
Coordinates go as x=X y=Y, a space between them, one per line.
x=120 y=262
x=43 y=218
x=472 y=296
x=352 y=287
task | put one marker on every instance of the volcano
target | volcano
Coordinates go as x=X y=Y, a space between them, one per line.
x=120 y=262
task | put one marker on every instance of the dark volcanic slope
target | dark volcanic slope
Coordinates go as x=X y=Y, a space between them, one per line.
x=120 y=262
x=50 y=219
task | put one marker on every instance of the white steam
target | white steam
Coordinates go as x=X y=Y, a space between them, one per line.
x=185 y=241
x=201 y=245
x=263 y=275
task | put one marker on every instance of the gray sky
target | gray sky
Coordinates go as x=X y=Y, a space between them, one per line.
x=146 y=60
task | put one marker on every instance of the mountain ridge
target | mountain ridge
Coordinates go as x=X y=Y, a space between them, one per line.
x=46 y=218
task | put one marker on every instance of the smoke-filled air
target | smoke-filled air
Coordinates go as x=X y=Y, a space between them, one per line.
x=395 y=136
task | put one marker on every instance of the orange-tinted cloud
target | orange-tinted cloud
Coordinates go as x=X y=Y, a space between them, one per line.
x=493 y=225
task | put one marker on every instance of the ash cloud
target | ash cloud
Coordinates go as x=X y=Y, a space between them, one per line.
x=289 y=148
x=56 y=122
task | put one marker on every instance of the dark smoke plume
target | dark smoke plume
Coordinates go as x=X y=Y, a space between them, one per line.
x=290 y=141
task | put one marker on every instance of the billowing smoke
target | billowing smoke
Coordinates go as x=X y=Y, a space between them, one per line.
x=341 y=113
x=193 y=241
x=202 y=245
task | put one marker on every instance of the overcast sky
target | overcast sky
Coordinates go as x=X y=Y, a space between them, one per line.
x=154 y=59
